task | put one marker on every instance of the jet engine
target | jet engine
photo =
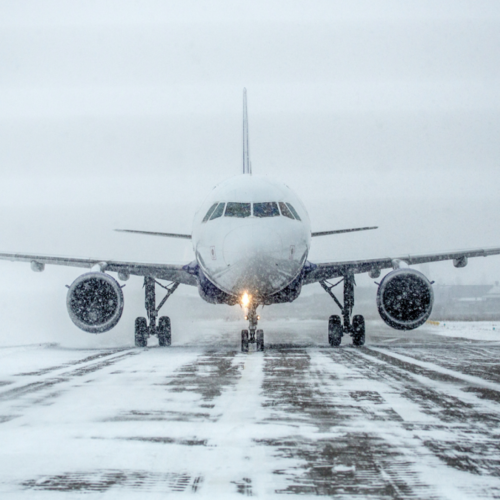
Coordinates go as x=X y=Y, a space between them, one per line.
x=95 y=302
x=405 y=298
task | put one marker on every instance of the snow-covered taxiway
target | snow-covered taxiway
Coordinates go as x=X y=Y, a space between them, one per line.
x=414 y=415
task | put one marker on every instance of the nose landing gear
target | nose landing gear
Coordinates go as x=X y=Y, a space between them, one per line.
x=335 y=328
x=163 y=330
x=252 y=335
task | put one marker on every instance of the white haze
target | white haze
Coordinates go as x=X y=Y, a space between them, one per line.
x=124 y=114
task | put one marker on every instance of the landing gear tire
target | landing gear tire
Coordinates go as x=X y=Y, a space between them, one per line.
x=164 y=331
x=244 y=340
x=141 y=332
x=358 y=325
x=334 y=331
x=260 y=340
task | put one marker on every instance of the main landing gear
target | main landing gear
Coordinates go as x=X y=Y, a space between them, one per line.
x=252 y=335
x=335 y=328
x=163 y=330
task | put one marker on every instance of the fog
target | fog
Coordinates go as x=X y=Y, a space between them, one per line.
x=122 y=114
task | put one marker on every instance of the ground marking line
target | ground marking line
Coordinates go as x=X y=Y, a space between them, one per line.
x=470 y=379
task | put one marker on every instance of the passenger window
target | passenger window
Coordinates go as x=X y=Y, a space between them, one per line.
x=267 y=209
x=218 y=211
x=210 y=211
x=238 y=210
x=294 y=212
x=285 y=210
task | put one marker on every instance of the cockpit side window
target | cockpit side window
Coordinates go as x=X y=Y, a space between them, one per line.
x=218 y=211
x=294 y=212
x=285 y=210
x=266 y=209
x=210 y=211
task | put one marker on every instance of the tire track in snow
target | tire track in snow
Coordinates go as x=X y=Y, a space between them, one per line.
x=56 y=377
x=463 y=430
x=152 y=372
x=184 y=413
x=338 y=455
x=86 y=359
x=479 y=364
x=241 y=465
x=343 y=422
x=433 y=371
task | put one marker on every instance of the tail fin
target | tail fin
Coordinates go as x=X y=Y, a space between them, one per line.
x=247 y=166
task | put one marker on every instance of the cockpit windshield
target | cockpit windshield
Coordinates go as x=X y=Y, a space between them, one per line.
x=241 y=210
x=266 y=209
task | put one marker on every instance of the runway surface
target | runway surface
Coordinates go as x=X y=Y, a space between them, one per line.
x=410 y=415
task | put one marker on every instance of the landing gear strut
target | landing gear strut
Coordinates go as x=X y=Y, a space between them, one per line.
x=252 y=335
x=336 y=330
x=163 y=330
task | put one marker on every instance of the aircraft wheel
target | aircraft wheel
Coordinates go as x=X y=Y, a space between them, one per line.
x=260 y=340
x=334 y=331
x=164 y=331
x=141 y=332
x=244 y=340
x=358 y=324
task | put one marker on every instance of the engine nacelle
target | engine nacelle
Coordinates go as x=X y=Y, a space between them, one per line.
x=405 y=298
x=95 y=302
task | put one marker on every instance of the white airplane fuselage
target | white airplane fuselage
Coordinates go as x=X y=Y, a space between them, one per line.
x=255 y=242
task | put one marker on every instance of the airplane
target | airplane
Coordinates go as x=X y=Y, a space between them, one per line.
x=251 y=239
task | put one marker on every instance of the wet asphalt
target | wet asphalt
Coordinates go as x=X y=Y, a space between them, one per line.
x=406 y=416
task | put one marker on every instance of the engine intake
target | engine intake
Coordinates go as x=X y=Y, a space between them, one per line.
x=95 y=302
x=404 y=299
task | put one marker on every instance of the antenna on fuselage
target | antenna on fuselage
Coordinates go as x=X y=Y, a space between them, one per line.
x=247 y=166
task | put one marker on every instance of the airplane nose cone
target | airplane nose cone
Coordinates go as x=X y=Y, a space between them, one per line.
x=254 y=257
x=247 y=243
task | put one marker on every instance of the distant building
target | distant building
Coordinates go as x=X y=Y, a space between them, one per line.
x=467 y=302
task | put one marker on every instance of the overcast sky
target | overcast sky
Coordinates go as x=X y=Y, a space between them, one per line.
x=125 y=114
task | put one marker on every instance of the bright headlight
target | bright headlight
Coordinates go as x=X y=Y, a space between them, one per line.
x=245 y=299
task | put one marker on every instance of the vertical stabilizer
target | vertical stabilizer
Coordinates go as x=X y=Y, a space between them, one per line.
x=247 y=166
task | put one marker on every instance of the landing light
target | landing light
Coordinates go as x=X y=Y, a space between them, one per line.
x=245 y=299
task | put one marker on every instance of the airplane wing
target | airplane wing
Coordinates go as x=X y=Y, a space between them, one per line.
x=340 y=231
x=169 y=272
x=328 y=270
x=155 y=233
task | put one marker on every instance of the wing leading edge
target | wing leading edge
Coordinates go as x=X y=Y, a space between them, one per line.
x=169 y=272
x=340 y=231
x=328 y=270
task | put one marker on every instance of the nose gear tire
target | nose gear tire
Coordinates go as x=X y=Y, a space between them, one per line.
x=260 y=340
x=244 y=340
